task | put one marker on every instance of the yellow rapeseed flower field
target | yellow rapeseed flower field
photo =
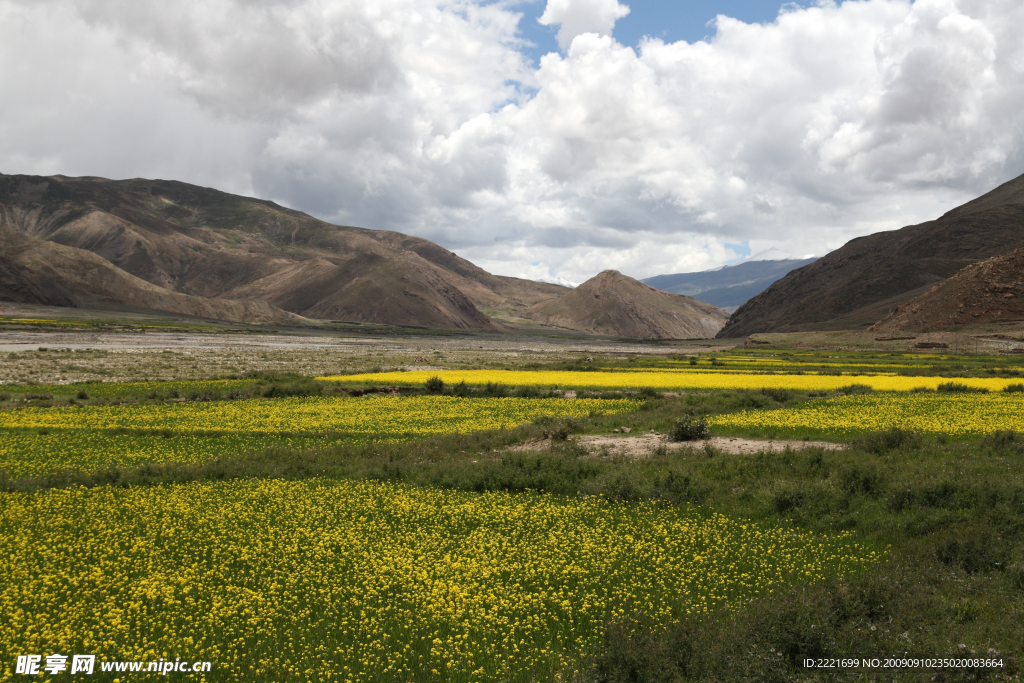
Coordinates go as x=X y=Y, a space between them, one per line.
x=79 y=438
x=31 y=454
x=940 y=413
x=683 y=379
x=335 y=580
x=381 y=415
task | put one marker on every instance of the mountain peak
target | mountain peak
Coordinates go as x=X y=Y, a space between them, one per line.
x=616 y=304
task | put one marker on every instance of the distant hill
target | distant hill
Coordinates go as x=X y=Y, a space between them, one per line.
x=728 y=287
x=614 y=304
x=860 y=283
x=179 y=239
x=991 y=291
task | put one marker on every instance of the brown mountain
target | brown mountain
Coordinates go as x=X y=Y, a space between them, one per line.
x=39 y=272
x=859 y=283
x=991 y=291
x=614 y=304
x=212 y=245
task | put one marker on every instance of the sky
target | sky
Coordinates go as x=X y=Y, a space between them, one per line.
x=550 y=139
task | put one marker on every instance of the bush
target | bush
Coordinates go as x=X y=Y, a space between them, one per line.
x=649 y=392
x=461 y=389
x=434 y=385
x=288 y=389
x=1014 y=388
x=787 y=498
x=960 y=388
x=4 y=397
x=881 y=443
x=856 y=480
x=494 y=389
x=780 y=395
x=559 y=429
x=1001 y=439
x=973 y=550
x=82 y=394
x=689 y=429
x=854 y=390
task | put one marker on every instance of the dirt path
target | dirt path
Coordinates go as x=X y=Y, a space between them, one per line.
x=647 y=444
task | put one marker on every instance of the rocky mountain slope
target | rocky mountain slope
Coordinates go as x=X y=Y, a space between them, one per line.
x=215 y=246
x=614 y=304
x=991 y=291
x=860 y=283
x=39 y=272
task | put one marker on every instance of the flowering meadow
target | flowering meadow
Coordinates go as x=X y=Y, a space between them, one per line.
x=85 y=438
x=663 y=379
x=336 y=580
x=952 y=414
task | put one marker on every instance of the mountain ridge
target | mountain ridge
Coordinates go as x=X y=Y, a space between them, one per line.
x=858 y=284
x=211 y=244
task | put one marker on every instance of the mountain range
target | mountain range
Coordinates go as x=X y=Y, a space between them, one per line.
x=170 y=246
x=731 y=286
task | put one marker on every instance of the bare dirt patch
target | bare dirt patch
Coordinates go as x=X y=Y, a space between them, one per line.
x=649 y=443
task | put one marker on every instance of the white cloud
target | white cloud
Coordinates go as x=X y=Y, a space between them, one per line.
x=576 y=17
x=424 y=117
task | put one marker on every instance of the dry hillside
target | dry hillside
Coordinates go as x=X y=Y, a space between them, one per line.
x=39 y=272
x=212 y=245
x=991 y=291
x=614 y=304
x=859 y=283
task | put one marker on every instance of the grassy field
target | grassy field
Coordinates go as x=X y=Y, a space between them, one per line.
x=290 y=528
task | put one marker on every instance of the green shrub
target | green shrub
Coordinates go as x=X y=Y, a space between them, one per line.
x=82 y=394
x=960 y=388
x=461 y=389
x=854 y=390
x=4 y=397
x=1014 y=388
x=689 y=429
x=974 y=550
x=495 y=389
x=559 y=429
x=434 y=385
x=649 y=392
x=780 y=395
x=856 y=480
x=1002 y=439
x=282 y=390
x=891 y=439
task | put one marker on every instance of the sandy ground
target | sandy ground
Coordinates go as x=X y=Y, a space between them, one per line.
x=647 y=444
x=74 y=356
